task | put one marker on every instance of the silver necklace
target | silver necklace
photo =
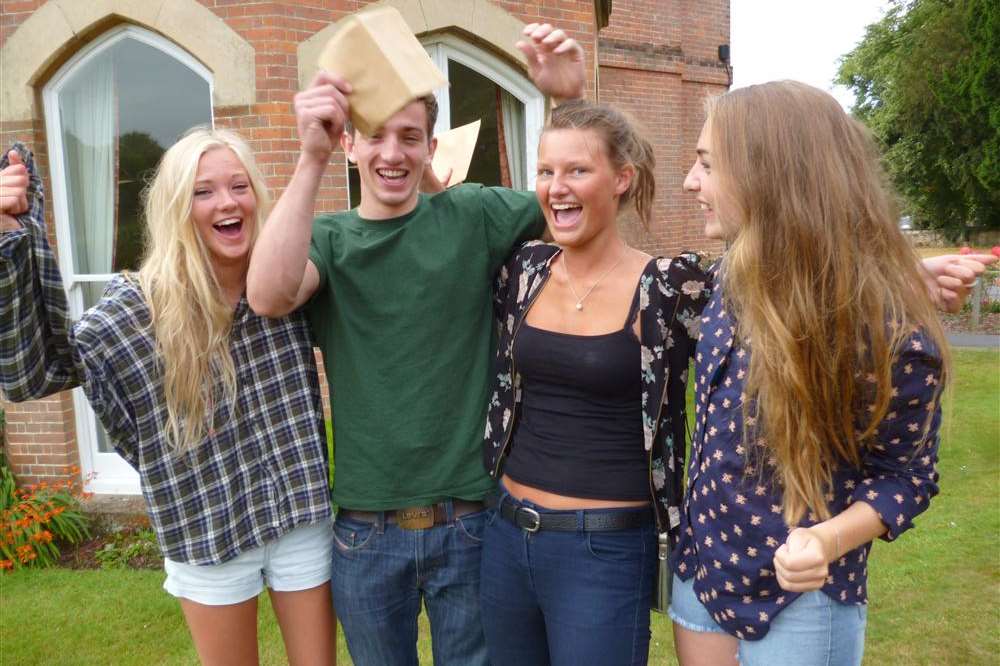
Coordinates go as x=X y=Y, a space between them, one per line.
x=569 y=279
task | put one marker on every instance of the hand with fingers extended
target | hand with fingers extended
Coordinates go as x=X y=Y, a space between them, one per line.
x=555 y=61
x=952 y=276
x=321 y=111
x=801 y=564
x=13 y=192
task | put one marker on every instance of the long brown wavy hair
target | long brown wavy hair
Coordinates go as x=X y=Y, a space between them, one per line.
x=821 y=280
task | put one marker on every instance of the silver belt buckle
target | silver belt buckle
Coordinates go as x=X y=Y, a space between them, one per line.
x=533 y=514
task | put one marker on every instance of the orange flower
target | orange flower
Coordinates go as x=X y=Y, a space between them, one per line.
x=6 y=564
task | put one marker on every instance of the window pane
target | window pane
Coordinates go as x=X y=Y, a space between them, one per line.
x=92 y=292
x=353 y=186
x=119 y=112
x=474 y=97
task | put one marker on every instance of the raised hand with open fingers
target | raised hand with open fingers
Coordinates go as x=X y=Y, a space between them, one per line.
x=555 y=61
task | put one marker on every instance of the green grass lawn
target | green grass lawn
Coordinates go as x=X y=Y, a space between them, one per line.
x=934 y=594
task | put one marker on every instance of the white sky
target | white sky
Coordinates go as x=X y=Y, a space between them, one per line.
x=797 y=39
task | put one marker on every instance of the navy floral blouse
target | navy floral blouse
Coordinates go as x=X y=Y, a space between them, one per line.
x=731 y=520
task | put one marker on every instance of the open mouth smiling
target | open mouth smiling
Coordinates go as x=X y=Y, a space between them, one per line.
x=566 y=214
x=392 y=175
x=230 y=227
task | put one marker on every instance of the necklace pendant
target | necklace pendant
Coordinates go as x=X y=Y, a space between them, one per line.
x=579 y=305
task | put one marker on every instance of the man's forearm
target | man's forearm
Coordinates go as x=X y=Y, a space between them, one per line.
x=278 y=263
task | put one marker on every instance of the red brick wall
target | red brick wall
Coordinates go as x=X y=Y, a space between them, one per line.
x=657 y=59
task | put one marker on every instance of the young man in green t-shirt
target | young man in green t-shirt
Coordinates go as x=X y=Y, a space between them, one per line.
x=398 y=293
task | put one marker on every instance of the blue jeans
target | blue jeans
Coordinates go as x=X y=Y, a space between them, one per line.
x=567 y=597
x=382 y=572
x=814 y=630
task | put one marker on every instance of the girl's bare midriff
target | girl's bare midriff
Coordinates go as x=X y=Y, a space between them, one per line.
x=548 y=500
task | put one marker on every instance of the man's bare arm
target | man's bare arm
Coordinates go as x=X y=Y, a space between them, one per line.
x=281 y=277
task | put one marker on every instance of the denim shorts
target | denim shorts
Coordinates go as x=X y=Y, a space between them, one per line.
x=298 y=560
x=814 y=630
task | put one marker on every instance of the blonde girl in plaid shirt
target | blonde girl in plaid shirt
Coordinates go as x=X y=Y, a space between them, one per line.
x=217 y=408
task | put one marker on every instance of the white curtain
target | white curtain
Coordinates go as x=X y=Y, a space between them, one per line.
x=87 y=114
x=513 y=135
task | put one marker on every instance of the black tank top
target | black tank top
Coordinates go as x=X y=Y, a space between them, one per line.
x=580 y=426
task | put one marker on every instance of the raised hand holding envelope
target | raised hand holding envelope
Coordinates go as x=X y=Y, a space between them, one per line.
x=454 y=152
x=385 y=64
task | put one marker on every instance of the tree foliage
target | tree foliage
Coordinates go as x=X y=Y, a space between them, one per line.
x=926 y=81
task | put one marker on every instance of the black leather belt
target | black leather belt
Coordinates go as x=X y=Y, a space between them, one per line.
x=594 y=520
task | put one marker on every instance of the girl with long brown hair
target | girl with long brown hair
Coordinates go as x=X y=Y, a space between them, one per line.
x=818 y=378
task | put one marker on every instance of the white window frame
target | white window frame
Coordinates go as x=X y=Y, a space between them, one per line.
x=109 y=473
x=445 y=47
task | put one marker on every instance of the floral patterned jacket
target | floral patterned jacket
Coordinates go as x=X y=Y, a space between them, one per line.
x=672 y=294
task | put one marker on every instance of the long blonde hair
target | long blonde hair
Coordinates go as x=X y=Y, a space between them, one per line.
x=191 y=321
x=821 y=280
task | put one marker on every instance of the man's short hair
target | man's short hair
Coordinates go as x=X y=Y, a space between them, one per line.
x=430 y=106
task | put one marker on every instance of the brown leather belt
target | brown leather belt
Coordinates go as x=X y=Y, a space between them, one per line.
x=416 y=517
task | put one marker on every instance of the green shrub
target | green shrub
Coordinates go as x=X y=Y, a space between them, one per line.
x=36 y=518
x=127 y=547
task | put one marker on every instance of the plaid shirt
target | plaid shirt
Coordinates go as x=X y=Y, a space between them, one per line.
x=35 y=359
x=262 y=469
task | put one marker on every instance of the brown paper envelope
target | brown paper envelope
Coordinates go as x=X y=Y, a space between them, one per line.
x=454 y=151
x=384 y=63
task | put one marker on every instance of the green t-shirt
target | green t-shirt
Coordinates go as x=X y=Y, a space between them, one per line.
x=404 y=317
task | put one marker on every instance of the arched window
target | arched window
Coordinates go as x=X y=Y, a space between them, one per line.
x=483 y=87
x=111 y=111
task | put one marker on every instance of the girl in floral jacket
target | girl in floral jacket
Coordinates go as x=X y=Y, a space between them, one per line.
x=586 y=423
